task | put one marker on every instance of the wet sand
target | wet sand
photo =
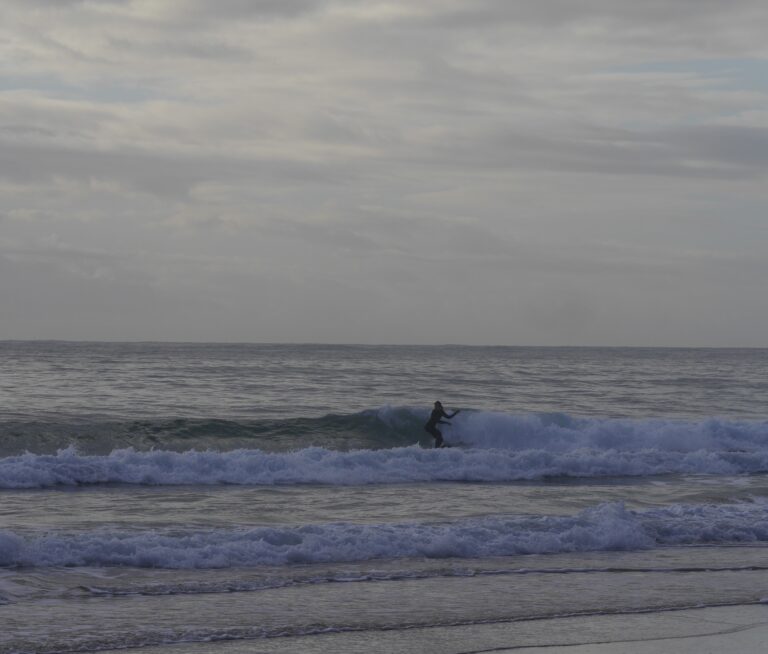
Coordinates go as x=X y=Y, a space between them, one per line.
x=742 y=629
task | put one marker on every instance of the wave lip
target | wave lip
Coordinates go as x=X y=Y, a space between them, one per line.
x=372 y=428
x=606 y=527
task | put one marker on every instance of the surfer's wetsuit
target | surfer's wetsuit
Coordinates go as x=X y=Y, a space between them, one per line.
x=434 y=421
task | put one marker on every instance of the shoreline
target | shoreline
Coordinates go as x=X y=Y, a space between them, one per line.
x=739 y=628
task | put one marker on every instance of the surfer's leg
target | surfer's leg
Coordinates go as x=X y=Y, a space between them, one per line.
x=435 y=433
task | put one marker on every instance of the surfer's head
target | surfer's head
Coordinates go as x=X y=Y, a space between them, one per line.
x=438 y=405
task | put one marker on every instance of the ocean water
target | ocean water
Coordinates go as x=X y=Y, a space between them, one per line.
x=285 y=498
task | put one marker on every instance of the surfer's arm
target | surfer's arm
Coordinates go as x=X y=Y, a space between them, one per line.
x=451 y=416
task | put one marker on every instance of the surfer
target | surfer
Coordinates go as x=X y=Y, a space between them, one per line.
x=434 y=420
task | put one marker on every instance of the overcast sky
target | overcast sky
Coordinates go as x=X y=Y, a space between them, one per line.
x=513 y=172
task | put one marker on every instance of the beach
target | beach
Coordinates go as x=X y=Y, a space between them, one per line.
x=742 y=629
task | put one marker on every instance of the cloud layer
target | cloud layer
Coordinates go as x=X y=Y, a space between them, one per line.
x=306 y=170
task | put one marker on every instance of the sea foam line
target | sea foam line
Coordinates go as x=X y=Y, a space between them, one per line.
x=605 y=527
x=212 y=588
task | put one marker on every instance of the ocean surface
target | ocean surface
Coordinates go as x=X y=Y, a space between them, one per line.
x=285 y=498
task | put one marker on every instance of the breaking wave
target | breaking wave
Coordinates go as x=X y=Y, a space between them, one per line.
x=321 y=466
x=605 y=527
x=491 y=447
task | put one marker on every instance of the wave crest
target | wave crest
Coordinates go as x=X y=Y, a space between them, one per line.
x=320 y=466
x=494 y=447
x=605 y=527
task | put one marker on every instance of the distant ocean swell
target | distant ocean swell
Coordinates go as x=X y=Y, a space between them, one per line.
x=602 y=528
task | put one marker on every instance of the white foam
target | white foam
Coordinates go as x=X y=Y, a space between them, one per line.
x=320 y=466
x=501 y=447
x=560 y=432
x=604 y=527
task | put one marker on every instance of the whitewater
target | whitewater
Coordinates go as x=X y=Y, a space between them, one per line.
x=605 y=527
x=487 y=446
x=211 y=494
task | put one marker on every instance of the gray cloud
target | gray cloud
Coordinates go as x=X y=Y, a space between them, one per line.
x=440 y=171
x=159 y=173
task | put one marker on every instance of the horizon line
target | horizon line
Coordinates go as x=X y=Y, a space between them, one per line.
x=360 y=344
